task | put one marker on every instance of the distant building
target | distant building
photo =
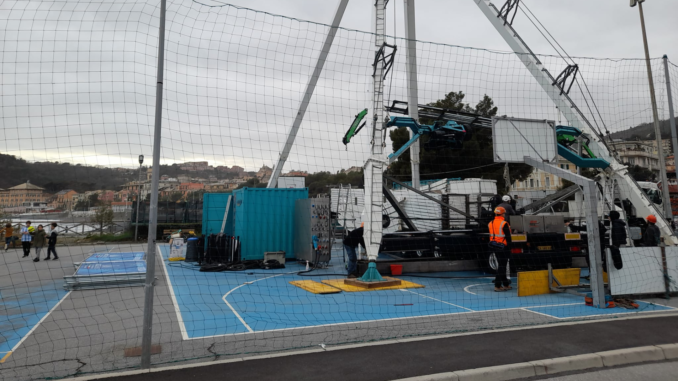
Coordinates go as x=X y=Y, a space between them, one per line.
x=264 y=174
x=107 y=196
x=640 y=153
x=186 y=188
x=236 y=170
x=196 y=166
x=666 y=146
x=121 y=206
x=64 y=199
x=296 y=174
x=352 y=169
x=24 y=193
x=544 y=181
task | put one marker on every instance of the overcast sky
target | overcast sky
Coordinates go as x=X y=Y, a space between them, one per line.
x=78 y=78
x=598 y=28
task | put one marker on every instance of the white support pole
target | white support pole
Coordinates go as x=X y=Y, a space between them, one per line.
x=412 y=84
x=147 y=329
x=376 y=163
x=592 y=232
x=655 y=115
x=310 y=87
x=672 y=118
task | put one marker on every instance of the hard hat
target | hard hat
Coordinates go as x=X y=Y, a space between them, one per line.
x=499 y=210
x=651 y=218
x=506 y=198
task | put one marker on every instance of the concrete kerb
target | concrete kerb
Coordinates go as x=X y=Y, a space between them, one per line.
x=559 y=365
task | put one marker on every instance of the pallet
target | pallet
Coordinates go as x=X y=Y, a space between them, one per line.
x=387 y=282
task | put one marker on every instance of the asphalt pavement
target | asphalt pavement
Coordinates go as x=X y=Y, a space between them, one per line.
x=417 y=358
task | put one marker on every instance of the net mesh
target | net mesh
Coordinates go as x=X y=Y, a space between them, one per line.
x=77 y=89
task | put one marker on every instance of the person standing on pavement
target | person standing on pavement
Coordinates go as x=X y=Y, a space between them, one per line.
x=500 y=241
x=9 y=232
x=26 y=239
x=51 y=242
x=351 y=242
x=39 y=241
x=652 y=235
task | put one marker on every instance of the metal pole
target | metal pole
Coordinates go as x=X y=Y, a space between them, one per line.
x=376 y=163
x=310 y=87
x=660 y=150
x=412 y=84
x=136 y=226
x=592 y=230
x=153 y=213
x=672 y=121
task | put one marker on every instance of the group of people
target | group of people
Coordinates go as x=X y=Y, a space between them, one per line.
x=37 y=239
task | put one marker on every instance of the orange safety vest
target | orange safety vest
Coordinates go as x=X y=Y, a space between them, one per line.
x=497 y=231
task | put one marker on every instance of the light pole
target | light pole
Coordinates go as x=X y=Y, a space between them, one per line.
x=136 y=225
x=660 y=150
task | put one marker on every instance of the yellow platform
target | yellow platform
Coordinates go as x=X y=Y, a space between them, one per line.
x=537 y=282
x=339 y=283
x=315 y=287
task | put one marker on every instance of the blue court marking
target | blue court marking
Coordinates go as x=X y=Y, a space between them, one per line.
x=22 y=309
x=265 y=301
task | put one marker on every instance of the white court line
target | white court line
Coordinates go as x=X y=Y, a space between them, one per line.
x=473 y=285
x=539 y=313
x=245 y=284
x=36 y=326
x=437 y=300
x=180 y=319
x=657 y=304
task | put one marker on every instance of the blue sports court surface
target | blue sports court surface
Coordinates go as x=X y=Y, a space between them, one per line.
x=22 y=309
x=211 y=304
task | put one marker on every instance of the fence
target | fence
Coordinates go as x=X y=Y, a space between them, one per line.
x=78 y=100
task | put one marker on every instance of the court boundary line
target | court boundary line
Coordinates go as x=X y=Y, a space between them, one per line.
x=30 y=332
x=619 y=316
x=180 y=319
x=670 y=311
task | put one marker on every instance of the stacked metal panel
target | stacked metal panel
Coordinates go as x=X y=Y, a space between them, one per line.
x=104 y=270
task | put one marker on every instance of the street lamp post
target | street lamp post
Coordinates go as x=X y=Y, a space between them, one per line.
x=136 y=225
x=660 y=150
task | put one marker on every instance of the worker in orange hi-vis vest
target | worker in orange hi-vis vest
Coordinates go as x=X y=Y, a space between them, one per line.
x=500 y=240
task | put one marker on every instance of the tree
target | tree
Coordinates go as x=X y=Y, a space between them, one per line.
x=94 y=199
x=103 y=216
x=474 y=160
x=641 y=174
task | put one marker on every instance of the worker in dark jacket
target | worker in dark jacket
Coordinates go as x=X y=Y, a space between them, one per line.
x=506 y=204
x=618 y=229
x=652 y=234
x=351 y=242
x=618 y=235
x=601 y=234
x=500 y=241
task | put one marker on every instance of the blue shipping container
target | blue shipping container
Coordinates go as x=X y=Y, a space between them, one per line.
x=213 y=208
x=264 y=220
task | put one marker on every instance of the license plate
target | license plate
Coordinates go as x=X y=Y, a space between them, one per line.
x=544 y=248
